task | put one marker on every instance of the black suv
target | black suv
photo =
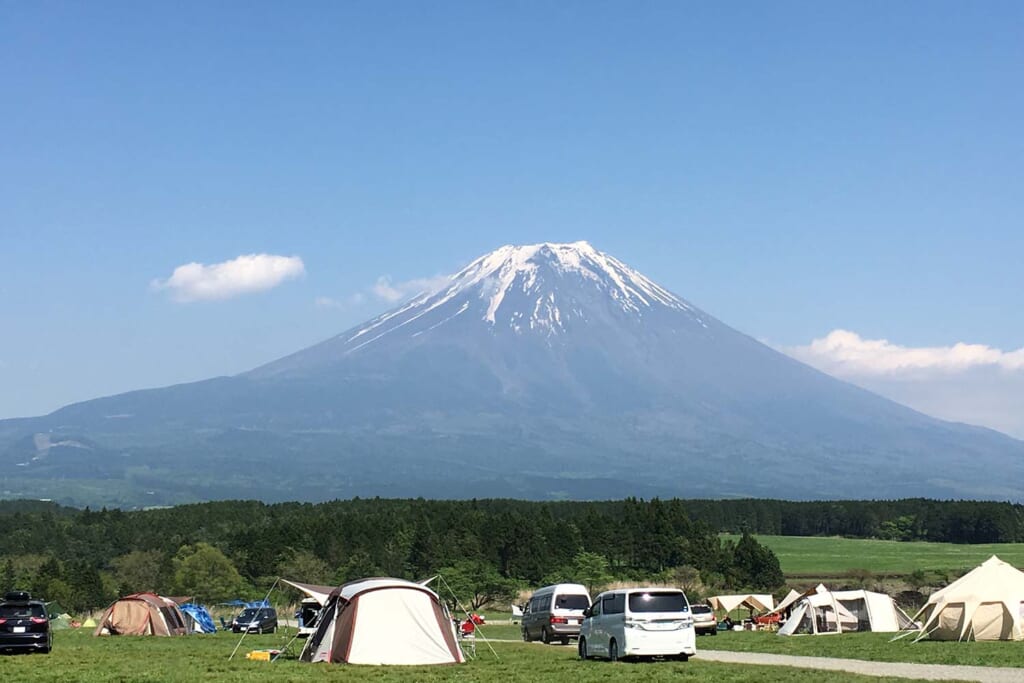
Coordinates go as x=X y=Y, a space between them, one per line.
x=256 y=620
x=23 y=624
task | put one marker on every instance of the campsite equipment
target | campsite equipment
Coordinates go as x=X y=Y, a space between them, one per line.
x=142 y=614
x=984 y=604
x=383 y=621
x=823 y=611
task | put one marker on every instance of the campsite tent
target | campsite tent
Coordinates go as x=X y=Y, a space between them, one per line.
x=984 y=604
x=752 y=601
x=141 y=614
x=197 y=618
x=383 y=621
x=823 y=611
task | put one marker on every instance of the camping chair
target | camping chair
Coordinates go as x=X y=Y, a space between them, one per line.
x=225 y=625
x=517 y=615
x=467 y=638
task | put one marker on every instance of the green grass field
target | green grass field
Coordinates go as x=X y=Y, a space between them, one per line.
x=78 y=656
x=823 y=556
x=871 y=646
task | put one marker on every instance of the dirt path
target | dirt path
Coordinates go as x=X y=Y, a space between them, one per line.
x=933 y=672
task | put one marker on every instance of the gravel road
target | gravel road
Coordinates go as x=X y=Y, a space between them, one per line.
x=932 y=672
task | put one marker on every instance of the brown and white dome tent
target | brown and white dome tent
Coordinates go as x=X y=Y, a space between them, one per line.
x=383 y=621
x=983 y=604
x=142 y=614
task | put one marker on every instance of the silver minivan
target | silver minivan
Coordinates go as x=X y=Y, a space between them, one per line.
x=555 y=613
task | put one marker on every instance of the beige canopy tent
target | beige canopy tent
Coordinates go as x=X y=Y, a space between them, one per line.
x=383 y=621
x=792 y=597
x=758 y=602
x=823 y=611
x=318 y=593
x=984 y=604
x=142 y=614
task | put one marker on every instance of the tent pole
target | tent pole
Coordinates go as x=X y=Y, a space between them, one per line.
x=468 y=615
x=245 y=632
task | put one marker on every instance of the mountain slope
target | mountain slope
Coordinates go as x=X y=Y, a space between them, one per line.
x=539 y=371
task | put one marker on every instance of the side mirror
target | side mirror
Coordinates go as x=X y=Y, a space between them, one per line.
x=586 y=613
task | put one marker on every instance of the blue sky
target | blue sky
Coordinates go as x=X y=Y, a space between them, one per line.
x=792 y=168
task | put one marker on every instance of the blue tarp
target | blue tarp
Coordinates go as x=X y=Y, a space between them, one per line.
x=243 y=603
x=202 y=618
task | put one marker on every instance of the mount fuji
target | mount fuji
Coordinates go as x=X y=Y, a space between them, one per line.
x=540 y=371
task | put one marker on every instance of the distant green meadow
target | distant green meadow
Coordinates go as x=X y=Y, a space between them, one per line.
x=78 y=656
x=804 y=556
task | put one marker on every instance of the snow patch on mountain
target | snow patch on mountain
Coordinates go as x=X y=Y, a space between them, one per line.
x=542 y=281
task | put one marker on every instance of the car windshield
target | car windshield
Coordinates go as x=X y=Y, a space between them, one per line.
x=22 y=612
x=700 y=609
x=253 y=613
x=668 y=601
x=572 y=602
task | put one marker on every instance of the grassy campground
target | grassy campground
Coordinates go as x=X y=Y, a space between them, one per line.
x=875 y=647
x=77 y=656
x=809 y=556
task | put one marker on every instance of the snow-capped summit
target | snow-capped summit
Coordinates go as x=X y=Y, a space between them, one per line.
x=545 y=288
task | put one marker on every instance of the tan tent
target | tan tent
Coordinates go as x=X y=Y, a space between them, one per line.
x=984 y=604
x=142 y=614
x=823 y=611
x=383 y=621
x=753 y=601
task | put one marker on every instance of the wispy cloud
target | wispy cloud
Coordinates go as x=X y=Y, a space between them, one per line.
x=351 y=301
x=243 y=275
x=393 y=292
x=846 y=353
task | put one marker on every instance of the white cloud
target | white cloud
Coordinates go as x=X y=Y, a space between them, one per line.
x=393 y=292
x=243 y=275
x=846 y=353
x=971 y=383
x=352 y=301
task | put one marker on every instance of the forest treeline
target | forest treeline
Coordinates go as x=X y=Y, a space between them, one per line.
x=911 y=519
x=487 y=548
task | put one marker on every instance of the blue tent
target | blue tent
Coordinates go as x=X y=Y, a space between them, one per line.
x=201 y=617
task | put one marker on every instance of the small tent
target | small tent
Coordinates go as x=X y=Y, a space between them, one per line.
x=142 y=614
x=823 y=611
x=197 y=618
x=383 y=621
x=984 y=604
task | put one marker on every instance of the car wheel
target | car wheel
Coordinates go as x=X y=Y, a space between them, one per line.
x=545 y=636
x=683 y=657
x=613 y=650
x=713 y=633
x=583 y=648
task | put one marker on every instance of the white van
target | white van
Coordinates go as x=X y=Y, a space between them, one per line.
x=555 y=613
x=639 y=622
